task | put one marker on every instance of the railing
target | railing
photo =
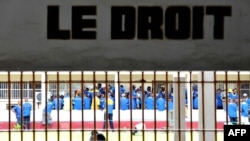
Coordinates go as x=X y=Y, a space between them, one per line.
x=182 y=122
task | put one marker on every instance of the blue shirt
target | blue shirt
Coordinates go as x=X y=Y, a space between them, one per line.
x=49 y=107
x=78 y=103
x=170 y=105
x=232 y=110
x=244 y=109
x=161 y=104
x=26 y=109
x=59 y=105
x=17 y=109
x=102 y=103
x=110 y=106
x=87 y=103
x=219 y=99
x=124 y=103
x=149 y=102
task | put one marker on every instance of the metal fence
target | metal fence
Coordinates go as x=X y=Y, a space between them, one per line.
x=141 y=105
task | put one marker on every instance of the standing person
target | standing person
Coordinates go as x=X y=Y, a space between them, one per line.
x=17 y=110
x=58 y=102
x=95 y=105
x=219 y=103
x=232 y=111
x=86 y=102
x=195 y=97
x=245 y=96
x=78 y=102
x=244 y=111
x=27 y=107
x=124 y=102
x=108 y=113
x=46 y=118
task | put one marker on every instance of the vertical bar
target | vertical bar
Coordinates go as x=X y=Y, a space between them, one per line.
x=130 y=106
x=142 y=105
x=46 y=97
x=203 y=109
x=119 y=111
x=106 y=106
x=191 y=106
x=9 y=97
x=82 y=84
x=239 y=96
x=179 y=110
x=215 y=107
x=21 y=92
x=155 y=101
x=94 y=110
x=166 y=98
x=70 y=117
x=57 y=110
x=226 y=97
x=34 y=104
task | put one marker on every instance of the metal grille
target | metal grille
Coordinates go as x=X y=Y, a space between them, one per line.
x=159 y=105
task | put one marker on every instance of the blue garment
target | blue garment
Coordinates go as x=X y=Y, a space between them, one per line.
x=60 y=103
x=195 y=97
x=124 y=103
x=134 y=99
x=26 y=109
x=248 y=102
x=122 y=90
x=110 y=106
x=102 y=102
x=78 y=103
x=161 y=94
x=170 y=105
x=244 y=109
x=232 y=110
x=232 y=96
x=149 y=103
x=86 y=102
x=17 y=110
x=161 y=104
x=219 y=102
x=49 y=107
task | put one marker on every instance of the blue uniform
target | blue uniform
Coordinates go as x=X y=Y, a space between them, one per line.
x=78 y=103
x=219 y=102
x=60 y=103
x=149 y=102
x=87 y=103
x=161 y=104
x=109 y=110
x=26 y=114
x=232 y=112
x=17 y=110
x=48 y=108
x=124 y=103
x=102 y=103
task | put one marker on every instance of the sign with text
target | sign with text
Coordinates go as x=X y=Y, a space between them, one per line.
x=241 y=132
x=124 y=35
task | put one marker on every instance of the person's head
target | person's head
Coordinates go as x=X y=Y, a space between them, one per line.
x=26 y=99
x=230 y=100
x=148 y=88
x=19 y=102
x=245 y=96
x=230 y=90
x=235 y=90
